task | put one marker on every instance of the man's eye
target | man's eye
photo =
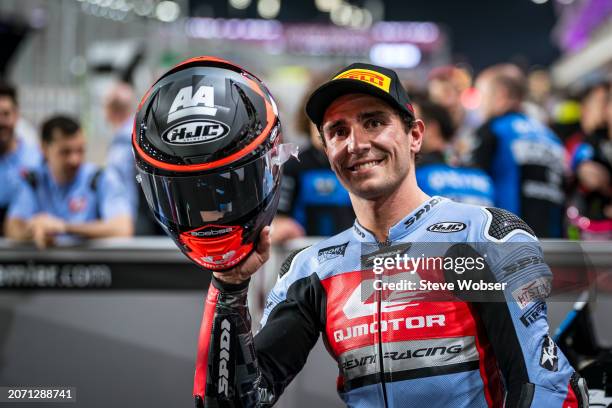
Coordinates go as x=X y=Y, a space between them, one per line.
x=340 y=132
x=372 y=123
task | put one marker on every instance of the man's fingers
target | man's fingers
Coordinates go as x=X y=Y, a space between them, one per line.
x=264 y=240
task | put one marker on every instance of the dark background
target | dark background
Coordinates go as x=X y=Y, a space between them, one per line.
x=481 y=32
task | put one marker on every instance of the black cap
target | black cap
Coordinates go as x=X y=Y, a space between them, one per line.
x=359 y=78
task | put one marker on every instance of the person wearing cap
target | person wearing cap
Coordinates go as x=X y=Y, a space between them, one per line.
x=394 y=347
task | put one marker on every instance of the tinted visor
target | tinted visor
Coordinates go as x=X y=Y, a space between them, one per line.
x=215 y=198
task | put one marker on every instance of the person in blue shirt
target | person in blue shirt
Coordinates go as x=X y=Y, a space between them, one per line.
x=16 y=155
x=523 y=156
x=119 y=105
x=434 y=174
x=65 y=198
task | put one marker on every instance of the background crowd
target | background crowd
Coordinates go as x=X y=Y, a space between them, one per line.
x=503 y=138
x=502 y=134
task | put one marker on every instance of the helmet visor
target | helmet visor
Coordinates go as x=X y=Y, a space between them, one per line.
x=214 y=198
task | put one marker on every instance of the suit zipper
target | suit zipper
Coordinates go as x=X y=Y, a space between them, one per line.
x=380 y=350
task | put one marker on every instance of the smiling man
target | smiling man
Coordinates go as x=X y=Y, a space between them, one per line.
x=393 y=348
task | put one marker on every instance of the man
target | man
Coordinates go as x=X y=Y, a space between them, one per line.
x=119 y=105
x=435 y=176
x=523 y=157
x=592 y=163
x=16 y=155
x=391 y=352
x=445 y=87
x=312 y=202
x=66 y=198
x=119 y=110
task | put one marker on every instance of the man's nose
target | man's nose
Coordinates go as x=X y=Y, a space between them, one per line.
x=359 y=142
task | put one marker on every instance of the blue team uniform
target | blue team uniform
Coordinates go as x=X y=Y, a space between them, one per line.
x=92 y=195
x=120 y=158
x=525 y=159
x=394 y=347
x=12 y=165
x=313 y=196
x=461 y=184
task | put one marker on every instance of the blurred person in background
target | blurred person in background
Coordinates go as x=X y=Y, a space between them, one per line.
x=591 y=206
x=119 y=105
x=66 y=198
x=119 y=108
x=434 y=174
x=593 y=99
x=522 y=155
x=16 y=155
x=445 y=87
x=312 y=202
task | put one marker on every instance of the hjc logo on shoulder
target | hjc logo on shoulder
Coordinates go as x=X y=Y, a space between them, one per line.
x=447 y=227
x=224 y=357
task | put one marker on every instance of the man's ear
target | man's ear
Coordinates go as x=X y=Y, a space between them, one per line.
x=416 y=133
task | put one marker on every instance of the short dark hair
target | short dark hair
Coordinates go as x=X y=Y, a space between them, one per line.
x=8 y=91
x=66 y=125
x=434 y=112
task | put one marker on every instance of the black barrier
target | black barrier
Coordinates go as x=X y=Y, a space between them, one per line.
x=140 y=264
x=156 y=264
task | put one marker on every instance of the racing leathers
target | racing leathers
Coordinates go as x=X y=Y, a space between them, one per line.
x=394 y=348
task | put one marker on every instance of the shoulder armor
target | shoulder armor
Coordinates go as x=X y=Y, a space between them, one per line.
x=287 y=263
x=504 y=222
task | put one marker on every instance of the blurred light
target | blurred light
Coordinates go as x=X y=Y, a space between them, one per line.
x=105 y=3
x=249 y=29
x=240 y=4
x=356 y=17
x=167 y=11
x=565 y=2
x=268 y=8
x=144 y=8
x=395 y=55
x=367 y=19
x=539 y=1
x=78 y=66
x=470 y=98
x=38 y=18
x=327 y=5
x=393 y=31
x=341 y=15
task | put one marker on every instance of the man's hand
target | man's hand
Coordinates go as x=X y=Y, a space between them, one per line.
x=44 y=227
x=245 y=269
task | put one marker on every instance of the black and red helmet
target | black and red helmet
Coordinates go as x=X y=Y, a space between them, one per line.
x=207 y=146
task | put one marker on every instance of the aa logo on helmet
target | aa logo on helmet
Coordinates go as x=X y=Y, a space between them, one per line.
x=187 y=103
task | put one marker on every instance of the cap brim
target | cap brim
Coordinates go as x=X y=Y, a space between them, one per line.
x=321 y=98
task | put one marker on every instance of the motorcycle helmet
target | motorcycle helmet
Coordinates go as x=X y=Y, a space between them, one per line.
x=207 y=146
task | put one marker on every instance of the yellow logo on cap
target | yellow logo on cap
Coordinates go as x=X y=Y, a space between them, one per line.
x=370 y=77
